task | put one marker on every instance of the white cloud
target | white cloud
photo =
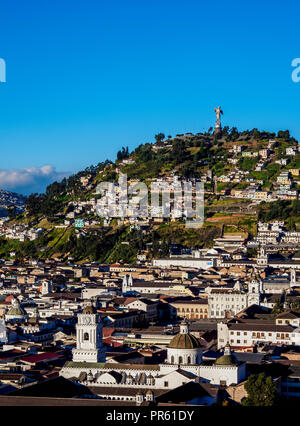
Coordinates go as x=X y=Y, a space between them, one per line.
x=30 y=179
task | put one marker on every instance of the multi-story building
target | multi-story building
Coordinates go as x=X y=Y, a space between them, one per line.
x=225 y=303
x=247 y=335
x=191 y=309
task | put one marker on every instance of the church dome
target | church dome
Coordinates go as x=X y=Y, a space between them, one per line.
x=184 y=341
x=228 y=358
x=16 y=309
x=88 y=310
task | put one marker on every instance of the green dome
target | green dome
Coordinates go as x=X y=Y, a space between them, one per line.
x=16 y=311
x=184 y=341
x=228 y=358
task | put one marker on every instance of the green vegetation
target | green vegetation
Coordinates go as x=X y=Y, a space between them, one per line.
x=186 y=155
x=261 y=391
x=281 y=210
x=247 y=163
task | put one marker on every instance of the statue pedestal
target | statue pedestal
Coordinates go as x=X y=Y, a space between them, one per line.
x=218 y=131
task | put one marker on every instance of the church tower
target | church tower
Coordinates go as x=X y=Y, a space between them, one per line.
x=262 y=258
x=89 y=344
x=46 y=287
x=254 y=292
x=127 y=283
x=293 y=278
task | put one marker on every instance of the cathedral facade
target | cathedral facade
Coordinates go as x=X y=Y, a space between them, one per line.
x=183 y=363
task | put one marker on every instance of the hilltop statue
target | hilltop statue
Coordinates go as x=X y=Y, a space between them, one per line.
x=218 y=127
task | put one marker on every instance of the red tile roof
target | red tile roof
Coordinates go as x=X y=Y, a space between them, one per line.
x=108 y=331
x=42 y=357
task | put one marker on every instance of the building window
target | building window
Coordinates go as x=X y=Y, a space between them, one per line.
x=166 y=384
x=180 y=360
x=86 y=336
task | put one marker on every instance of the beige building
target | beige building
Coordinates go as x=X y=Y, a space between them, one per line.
x=191 y=309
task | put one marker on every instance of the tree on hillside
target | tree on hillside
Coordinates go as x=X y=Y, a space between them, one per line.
x=159 y=137
x=284 y=134
x=261 y=391
x=144 y=152
x=280 y=209
x=11 y=211
x=121 y=155
x=178 y=153
x=225 y=130
x=33 y=204
x=232 y=135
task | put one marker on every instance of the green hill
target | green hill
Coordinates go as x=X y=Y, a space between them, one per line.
x=185 y=155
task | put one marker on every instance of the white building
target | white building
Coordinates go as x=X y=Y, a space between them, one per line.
x=183 y=363
x=245 y=335
x=226 y=303
x=89 y=346
x=192 y=262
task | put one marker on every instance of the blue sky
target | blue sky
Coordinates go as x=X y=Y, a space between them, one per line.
x=85 y=78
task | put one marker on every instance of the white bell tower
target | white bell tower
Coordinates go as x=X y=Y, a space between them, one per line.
x=263 y=258
x=127 y=283
x=46 y=287
x=293 y=278
x=89 y=344
x=254 y=291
